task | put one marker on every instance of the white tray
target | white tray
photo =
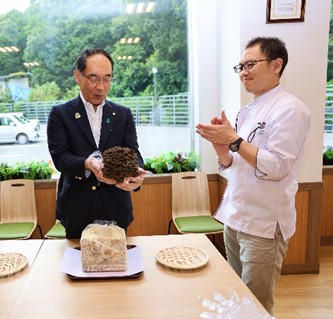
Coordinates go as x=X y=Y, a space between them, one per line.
x=72 y=266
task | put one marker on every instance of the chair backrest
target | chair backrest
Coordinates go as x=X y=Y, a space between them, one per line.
x=190 y=194
x=17 y=201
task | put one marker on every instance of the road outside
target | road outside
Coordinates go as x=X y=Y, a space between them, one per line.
x=153 y=140
x=328 y=139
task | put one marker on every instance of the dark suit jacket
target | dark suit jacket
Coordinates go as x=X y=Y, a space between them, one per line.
x=70 y=142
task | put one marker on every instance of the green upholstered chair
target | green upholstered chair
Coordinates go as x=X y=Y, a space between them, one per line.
x=191 y=204
x=18 y=213
x=57 y=231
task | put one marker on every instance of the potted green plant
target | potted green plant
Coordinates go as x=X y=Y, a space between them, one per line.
x=328 y=156
x=9 y=172
x=26 y=170
x=172 y=162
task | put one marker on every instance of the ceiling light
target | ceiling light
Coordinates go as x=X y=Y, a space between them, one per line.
x=9 y=49
x=130 y=8
x=140 y=7
x=124 y=57
x=150 y=7
x=27 y=64
x=130 y=40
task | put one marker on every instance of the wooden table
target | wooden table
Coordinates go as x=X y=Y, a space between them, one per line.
x=159 y=293
x=10 y=286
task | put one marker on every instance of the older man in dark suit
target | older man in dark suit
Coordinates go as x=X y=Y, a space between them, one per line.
x=81 y=128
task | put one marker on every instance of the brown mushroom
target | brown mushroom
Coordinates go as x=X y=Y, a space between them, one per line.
x=119 y=163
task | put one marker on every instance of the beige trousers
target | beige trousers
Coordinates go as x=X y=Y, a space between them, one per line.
x=257 y=261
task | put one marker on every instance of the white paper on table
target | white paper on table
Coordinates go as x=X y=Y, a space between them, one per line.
x=71 y=264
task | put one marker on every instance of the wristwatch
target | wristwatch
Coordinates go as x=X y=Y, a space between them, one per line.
x=234 y=146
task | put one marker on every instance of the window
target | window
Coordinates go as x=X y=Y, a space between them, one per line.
x=328 y=129
x=40 y=40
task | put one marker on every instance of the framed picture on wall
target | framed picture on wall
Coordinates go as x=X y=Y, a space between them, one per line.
x=278 y=11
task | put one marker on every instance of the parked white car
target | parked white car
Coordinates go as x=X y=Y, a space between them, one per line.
x=26 y=120
x=15 y=129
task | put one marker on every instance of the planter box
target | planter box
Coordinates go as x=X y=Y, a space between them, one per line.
x=327 y=161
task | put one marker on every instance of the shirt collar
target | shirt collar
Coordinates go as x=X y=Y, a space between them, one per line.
x=88 y=104
x=264 y=96
x=267 y=93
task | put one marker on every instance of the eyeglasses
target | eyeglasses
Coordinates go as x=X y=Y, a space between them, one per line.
x=248 y=65
x=261 y=126
x=95 y=79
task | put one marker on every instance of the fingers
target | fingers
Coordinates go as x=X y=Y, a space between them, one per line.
x=128 y=185
x=101 y=178
x=216 y=121
x=131 y=183
x=137 y=179
x=93 y=164
x=208 y=131
x=142 y=172
x=225 y=119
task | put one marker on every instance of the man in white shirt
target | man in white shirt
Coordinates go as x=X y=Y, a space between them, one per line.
x=264 y=152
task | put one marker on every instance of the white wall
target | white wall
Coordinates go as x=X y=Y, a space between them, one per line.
x=203 y=72
x=237 y=22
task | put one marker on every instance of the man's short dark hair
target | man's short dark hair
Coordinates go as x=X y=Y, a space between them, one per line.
x=81 y=61
x=272 y=47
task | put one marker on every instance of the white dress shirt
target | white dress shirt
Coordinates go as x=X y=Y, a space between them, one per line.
x=256 y=199
x=95 y=118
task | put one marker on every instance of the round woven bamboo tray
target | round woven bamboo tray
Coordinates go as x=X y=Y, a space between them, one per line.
x=11 y=263
x=183 y=258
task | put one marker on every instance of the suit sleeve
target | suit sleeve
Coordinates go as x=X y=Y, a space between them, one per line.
x=131 y=138
x=60 y=148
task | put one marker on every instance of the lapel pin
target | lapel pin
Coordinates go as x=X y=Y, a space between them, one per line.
x=113 y=113
x=77 y=115
x=108 y=120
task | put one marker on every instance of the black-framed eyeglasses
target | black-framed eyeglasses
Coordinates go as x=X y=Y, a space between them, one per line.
x=95 y=79
x=248 y=65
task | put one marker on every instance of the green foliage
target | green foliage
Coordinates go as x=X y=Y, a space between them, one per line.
x=70 y=93
x=5 y=96
x=26 y=170
x=328 y=156
x=53 y=33
x=13 y=32
x=17 y=106
x=330 y=49
x=171 y=162
x=45 y=92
